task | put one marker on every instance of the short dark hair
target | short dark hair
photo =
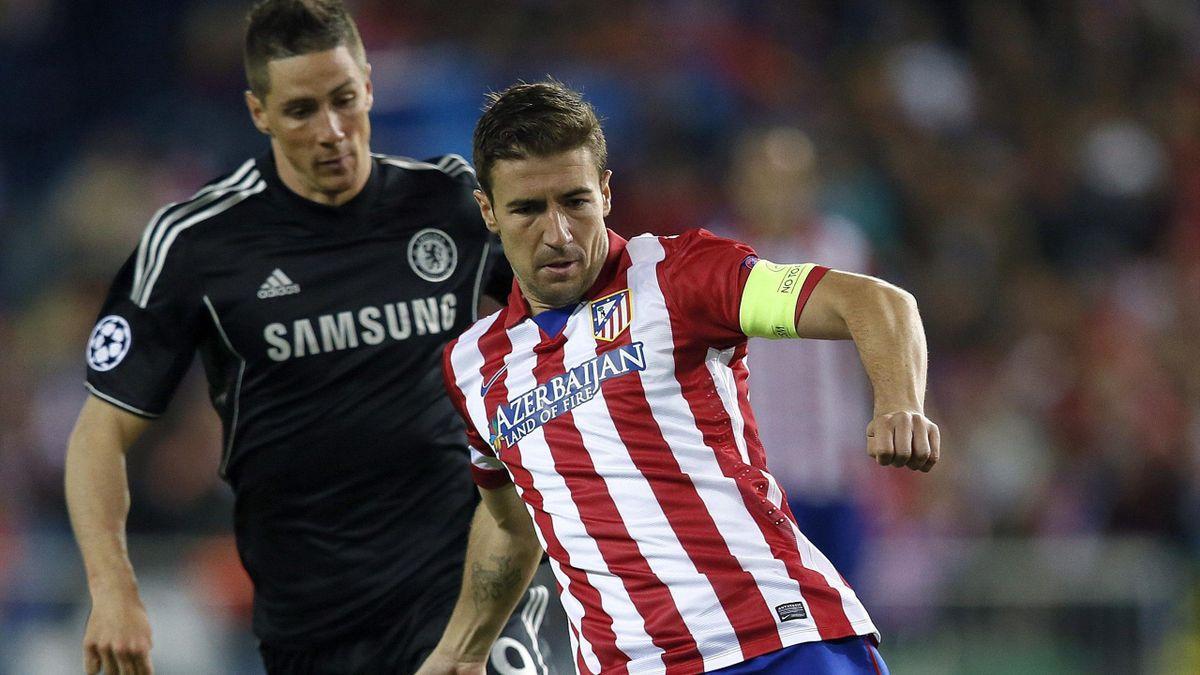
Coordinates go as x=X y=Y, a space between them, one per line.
x=538 y=119
x=278 y=29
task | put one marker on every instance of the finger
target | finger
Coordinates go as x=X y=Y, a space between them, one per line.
x=125 y=659
x=902 y=433
x=935 y=446
x=141 y=662
x=879 y=443
x=920 y=444
x=109 y=661
x=91 y=661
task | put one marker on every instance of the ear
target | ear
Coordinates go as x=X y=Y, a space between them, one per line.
x=258 y=112
x=605 y=191
x=485 y=210
x=367 y=84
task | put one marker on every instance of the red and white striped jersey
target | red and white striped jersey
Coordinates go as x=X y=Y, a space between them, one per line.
x=630 y=439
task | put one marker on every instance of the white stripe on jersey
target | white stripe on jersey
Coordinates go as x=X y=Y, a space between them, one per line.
x=119 y=403
x=483 y=260
x=451 y=165
x=640 y=510
x=157 y=223
x=810 y=556
x=455 y=165
x=237 y=389
x=485 y=462
x=674 y=417
x=465 y=361
x=216 y=202
x=582 y=551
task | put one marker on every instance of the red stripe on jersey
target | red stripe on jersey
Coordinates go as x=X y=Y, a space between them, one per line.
x=687 y=513
x=754 y=448
x=603 y=523
x=806 y=290
x=596 y=623
x=489 y=479
x=717 y=429
x=741 y=379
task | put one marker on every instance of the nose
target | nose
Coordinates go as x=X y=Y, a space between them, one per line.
x=331 y=128
x=557 y=232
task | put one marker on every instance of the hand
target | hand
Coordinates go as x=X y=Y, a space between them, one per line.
x=904 y=438
x=117 y=638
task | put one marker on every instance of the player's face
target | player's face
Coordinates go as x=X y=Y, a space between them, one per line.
x=316 y=116
x=549 y=213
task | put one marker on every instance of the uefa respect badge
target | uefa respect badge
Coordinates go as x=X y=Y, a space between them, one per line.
x=109 y=343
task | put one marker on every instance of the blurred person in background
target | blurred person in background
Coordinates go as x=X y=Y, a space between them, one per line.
x=319 y=283
x=814 y=435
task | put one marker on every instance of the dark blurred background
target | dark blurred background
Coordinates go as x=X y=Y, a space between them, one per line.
x=1029 y=170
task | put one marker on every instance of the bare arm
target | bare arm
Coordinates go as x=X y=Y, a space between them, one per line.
x=502 y=554
x=118 y=632
x=886 y=328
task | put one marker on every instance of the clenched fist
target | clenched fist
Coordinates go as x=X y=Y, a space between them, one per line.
x=904 y=438
x=117 y=639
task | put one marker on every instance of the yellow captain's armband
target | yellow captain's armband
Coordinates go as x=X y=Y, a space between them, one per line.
x=769 y=299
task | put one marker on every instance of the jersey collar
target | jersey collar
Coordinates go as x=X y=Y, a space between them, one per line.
x=360 y=204
x=518 y=307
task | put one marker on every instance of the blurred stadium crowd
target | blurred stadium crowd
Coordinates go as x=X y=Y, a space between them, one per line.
x=1029 y=170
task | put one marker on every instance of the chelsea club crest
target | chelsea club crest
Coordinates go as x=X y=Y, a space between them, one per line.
x=432 y=254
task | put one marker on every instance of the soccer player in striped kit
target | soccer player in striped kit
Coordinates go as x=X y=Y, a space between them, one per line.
x=607 y=410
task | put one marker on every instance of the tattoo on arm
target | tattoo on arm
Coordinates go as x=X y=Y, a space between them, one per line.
x=494 y=581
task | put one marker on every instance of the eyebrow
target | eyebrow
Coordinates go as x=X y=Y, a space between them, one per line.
x=574 y=192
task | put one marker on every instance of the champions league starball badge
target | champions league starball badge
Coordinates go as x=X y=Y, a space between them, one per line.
x=432 y=254
x=109 y=343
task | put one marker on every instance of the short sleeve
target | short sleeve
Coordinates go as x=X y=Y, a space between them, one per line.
x=140 y=348
x=486 y=469
x=705 y=275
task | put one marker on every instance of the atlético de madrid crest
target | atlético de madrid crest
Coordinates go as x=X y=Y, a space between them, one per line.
x=611 y=315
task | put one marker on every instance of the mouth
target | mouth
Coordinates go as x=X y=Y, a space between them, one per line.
x=560 y=268
x=339 y=163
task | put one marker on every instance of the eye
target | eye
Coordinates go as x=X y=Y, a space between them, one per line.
x=346 y=100
x=299 y=111
x=578 y=202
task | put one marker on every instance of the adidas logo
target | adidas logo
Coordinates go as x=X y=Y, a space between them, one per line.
x=276 y=285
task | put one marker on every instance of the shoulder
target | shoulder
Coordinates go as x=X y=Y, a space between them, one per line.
x=176 y=222
x=216 y=200
x=449 y=169
x=466 y=348
x=689 y=246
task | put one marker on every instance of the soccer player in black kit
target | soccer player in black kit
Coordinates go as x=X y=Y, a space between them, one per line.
x=319 y=283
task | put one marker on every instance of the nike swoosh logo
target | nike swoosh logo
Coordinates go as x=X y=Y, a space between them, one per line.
x=492 y=380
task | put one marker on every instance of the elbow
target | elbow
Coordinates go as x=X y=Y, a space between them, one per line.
x=892 y=297
x=893 y=306
x=902 y=299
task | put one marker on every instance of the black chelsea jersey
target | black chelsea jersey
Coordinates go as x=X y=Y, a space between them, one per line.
x=320 y=330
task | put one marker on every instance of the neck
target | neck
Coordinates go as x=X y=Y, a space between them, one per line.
x=293 y=181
